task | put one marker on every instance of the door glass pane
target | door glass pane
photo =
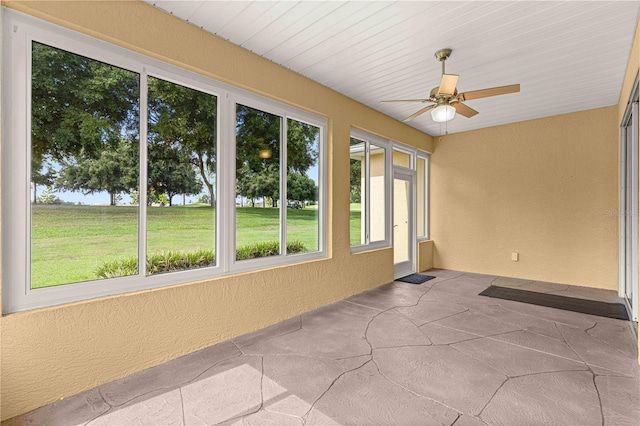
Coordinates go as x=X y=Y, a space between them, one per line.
x=357 y=202
x=377 y=198
x=181 y=175
x=84 y=168
x=258 y=141
x=302 y=187
x=401 y=238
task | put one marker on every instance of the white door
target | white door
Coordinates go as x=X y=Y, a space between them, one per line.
x=404 y=235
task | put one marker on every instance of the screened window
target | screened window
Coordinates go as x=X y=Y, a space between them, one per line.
x=123 y=173
x=369 y=190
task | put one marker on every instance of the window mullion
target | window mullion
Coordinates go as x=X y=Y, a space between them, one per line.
x=228 y=169
x=367 y=193
x=283 y=186
x=142 y=173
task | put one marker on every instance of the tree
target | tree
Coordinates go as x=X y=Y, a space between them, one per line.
x=82 y=112
x=267 y=183
x=41 y=175
x=356 y=181
x=114 y=171
x=79 y=106
x=258 y=132
x=301 y=188
x=170 y=172
x=48 y=197
x=185 y=120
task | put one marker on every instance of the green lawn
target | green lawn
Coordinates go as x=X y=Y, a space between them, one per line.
x=70 y=242
x=354 y=224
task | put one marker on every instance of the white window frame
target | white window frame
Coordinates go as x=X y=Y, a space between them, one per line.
x=426 y=157
x=19 y=31
x=370 y=139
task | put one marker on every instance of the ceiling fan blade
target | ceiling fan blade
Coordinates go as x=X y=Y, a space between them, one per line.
x=422 y=111
x=464 y=110
x=404 y=100
x=448 y=84
x=484 y=93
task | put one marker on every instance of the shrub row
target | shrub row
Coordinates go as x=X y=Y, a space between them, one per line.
x=170 y=261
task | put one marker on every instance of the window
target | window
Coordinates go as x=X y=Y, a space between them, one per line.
x=369 y=179
x=423 y=196
x=181 y=175
x=303 y=177
x=84 y=149
x=258 y=147
x=276 y=193
x=123 y=173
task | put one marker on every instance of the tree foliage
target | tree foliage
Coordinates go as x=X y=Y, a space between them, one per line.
x=170 y=172
x=80 y=107
x=85 y=134
x=355 y=178
x=184 y=120
x=259 y=132
x=301 y=188
x=114 y=171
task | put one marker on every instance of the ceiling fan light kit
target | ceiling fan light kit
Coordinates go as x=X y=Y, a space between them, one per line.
x=447 y=101
x=443 y=113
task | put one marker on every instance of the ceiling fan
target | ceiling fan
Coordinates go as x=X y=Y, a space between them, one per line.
x=445 y=99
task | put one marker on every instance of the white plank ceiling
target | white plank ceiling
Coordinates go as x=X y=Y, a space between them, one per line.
x=567 y=55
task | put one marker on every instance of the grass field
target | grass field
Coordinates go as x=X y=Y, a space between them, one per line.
x=70 y=242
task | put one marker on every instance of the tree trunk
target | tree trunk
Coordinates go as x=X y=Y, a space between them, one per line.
x=35 y=193
x=184 y=199
x=203 y=175
x=170 y=200
x=112 y=199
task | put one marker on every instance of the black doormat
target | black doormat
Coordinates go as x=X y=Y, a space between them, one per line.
x=415 y=278
x=584 y=306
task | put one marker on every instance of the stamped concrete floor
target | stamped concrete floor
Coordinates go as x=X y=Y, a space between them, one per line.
x=400 y=354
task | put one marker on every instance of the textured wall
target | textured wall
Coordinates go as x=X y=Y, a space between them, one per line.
x=541 y=188
x=425 y=255
x=56 y=352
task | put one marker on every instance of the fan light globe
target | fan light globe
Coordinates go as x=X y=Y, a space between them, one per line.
x=443 y=113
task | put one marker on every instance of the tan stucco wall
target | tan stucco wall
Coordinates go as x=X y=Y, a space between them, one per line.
x=425 y=255
x=541 y=188
x=52 y=353
x=633 y=67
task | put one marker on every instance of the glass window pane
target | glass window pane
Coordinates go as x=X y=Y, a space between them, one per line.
x=302 y=187
x=258 y=141
x=84 y=168
x=377 y=199
x=421 y=196
x=181 y=178
x=401 y=159
x=357 y=205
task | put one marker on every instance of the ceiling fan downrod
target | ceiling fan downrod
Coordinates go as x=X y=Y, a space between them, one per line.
x=442 y=55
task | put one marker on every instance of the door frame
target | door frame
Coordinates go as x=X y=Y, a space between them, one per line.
x=628 y=214
x=409 y=267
